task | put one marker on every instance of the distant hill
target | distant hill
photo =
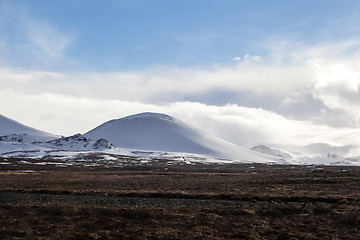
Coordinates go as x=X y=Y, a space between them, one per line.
x=13 y=130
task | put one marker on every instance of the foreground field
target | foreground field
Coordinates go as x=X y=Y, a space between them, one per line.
x=202 y=202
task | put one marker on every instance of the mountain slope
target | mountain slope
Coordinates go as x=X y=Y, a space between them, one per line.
x=78 y=142
x=160 y=132
x=20 y=132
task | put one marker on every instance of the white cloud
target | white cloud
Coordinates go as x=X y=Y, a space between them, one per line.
x=70 y=102
x=162 y=84
x=67 y=115
x=247 y=58
x=46 y=38
x=337 y=87
x=26 y=39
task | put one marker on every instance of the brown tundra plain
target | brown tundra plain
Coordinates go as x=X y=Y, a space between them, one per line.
x=243 y=201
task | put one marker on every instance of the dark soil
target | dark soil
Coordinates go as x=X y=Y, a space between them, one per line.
x=204 y=202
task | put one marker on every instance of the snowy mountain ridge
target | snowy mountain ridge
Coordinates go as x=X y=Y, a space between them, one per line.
x=156 y=136
x=317 y=153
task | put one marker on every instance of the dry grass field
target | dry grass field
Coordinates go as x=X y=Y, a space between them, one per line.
x=199 y=202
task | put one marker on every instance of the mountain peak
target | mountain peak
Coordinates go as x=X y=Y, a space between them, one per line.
x=147 y=115
x=161 y=132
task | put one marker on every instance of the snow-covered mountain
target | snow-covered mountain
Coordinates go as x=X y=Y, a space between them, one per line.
x=271 y=151
x=148 y=137
x=320 y=148
x=11 y=130
x=160 y=132
x=315 y=153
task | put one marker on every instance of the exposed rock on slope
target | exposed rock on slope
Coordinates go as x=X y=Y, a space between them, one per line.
x=79 y=142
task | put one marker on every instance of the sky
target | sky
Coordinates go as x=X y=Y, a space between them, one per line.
x=251 y=72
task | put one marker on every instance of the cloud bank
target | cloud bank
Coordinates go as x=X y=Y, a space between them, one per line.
x=241 y=125
x=70 y=102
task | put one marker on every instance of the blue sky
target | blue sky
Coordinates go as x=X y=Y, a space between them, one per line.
x=250 y=67
x=122 y=35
